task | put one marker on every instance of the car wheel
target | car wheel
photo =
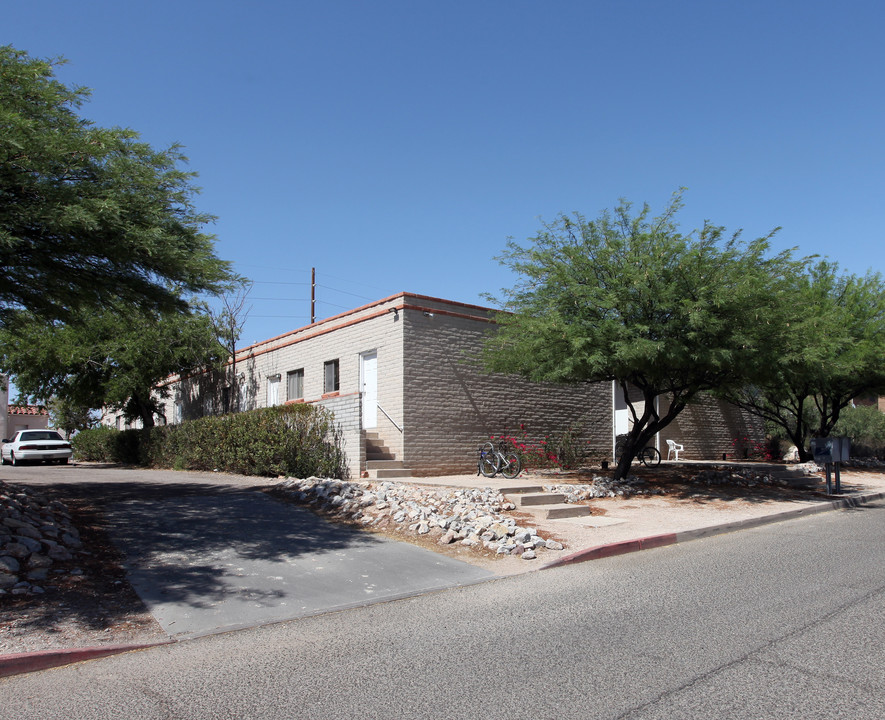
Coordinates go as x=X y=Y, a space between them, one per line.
x=4 y=460
x=13 y=461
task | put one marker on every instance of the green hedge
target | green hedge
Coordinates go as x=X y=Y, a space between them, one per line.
x=101 y=444
x=294 y=440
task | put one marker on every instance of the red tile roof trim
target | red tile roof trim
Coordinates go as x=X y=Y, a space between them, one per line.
x=27 y=410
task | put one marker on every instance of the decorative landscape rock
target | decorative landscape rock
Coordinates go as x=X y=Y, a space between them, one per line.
x=472 y=517
x=35 y=535
x=602 y=487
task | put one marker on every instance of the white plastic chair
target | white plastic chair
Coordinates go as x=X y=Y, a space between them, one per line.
x=674 y=448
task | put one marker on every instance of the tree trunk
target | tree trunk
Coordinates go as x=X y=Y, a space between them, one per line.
x=797 y=437
x=234 y=390
x=622 y=469
x=645 y=427
x=143 y=410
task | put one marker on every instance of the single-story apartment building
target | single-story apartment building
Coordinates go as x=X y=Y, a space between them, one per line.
x=403 y=378
x=19 y=417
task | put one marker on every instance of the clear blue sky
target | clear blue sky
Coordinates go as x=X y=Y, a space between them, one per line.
x=396 y=145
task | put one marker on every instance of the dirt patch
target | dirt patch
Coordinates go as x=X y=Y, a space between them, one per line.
x=88 y=602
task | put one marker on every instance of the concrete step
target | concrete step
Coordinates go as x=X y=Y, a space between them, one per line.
x=383 y=463
x=518 y=489
x=373 y=441
x=383 y=473
x=379 y=456
x=797 y=479
x=526 y=499
x=562 y=510
x=378 y=469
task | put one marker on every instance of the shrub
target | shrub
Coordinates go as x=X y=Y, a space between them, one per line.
x=104 y=444
x=865 y=426
x=94 y=444
x=296 y=440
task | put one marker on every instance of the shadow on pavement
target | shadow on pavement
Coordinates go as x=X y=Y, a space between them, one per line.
x=182 y=542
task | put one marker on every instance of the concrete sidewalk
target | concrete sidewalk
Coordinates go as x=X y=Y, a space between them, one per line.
x=622 y=525
x=646 y=521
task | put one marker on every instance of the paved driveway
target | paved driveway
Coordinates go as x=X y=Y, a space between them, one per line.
x=211 y=552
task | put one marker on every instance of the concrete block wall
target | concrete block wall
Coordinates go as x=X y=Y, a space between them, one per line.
x=708 y=427
x=345 y=337
x=452 y=405
x=374 y=327
x=348 y=412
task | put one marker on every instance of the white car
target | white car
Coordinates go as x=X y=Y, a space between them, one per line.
x=36 y=445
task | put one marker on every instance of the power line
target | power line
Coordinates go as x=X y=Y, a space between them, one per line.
x=300 y=270
x=344 y=292
x=291 y=317
x=343 y=307
x=352 y=282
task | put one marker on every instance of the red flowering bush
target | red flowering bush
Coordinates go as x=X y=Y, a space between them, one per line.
x=562 y=452
x=744 y=448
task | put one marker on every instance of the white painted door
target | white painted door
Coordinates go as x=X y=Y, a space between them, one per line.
x=369 y=382
x=273 y=390
x=622 y=412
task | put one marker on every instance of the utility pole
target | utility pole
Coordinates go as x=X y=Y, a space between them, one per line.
x=313 y=295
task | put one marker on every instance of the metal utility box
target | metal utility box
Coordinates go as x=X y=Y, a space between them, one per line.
x=830 y=449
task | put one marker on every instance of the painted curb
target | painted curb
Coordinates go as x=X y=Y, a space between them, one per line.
x=655 y=541
x=19 y=663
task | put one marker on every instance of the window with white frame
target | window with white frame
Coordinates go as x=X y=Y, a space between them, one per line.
x=273 y=390
x=330 y=376
x=295 y=384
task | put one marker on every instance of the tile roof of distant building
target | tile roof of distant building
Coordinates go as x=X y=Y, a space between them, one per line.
x=27 y=410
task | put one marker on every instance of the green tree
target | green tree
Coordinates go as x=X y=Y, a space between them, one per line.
x=68 y=417
x=865 y=425
x=831 y=350
x=90 y=216
x=110 y=357
x=630 y=298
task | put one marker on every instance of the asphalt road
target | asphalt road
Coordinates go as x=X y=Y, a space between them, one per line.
x=783 y=621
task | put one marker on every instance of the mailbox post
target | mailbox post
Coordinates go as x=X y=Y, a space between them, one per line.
x=831 y=452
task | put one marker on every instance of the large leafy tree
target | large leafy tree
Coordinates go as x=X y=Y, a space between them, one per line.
x=90 y=217
x=830 y=351
x=628 y=297
x=109 y=357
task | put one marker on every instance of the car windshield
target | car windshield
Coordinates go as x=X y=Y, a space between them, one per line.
x=40 y=435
